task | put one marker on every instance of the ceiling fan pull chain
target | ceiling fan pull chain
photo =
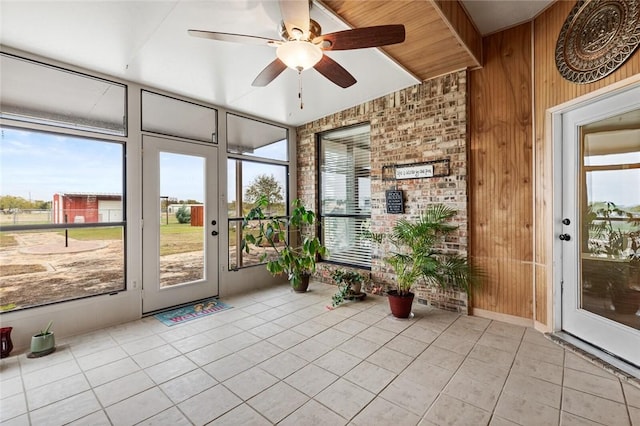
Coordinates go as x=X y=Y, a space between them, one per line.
x=300 y=87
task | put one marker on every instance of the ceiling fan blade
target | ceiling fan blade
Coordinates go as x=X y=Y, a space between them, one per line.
x=334 y=72
x=295 y=14
x=360 y=38
x=234 y=38
x=269 y=73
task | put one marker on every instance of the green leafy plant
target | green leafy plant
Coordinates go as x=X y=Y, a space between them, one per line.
x=419 y=254
x=47 y=330
x=297 y=254
x=183 y=214
x=345 y=280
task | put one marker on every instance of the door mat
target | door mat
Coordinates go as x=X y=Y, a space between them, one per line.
x=191 y=312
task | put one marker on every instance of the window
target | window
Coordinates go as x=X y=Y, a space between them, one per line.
x=258 y=167
x=345 y=194
x=37 y=93
x=62 y=218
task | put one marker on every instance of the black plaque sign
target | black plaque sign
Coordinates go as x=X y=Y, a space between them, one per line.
x=395 y=201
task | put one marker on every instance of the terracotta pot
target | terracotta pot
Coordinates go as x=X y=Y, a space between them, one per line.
x=303 y=286
x=400 y=305
x=5 y=341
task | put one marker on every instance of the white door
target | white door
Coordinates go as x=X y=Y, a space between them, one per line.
x=180 y=249
x=600 y=221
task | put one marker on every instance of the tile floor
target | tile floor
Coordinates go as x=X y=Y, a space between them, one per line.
x=280 y=357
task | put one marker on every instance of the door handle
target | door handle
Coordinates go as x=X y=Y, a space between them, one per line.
x=214 y=233
x=566 y=221
x=565 y=237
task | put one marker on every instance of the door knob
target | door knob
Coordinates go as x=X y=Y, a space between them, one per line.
x=213 y=222
x=214 y=233
x=565 y=237
x=566 y=221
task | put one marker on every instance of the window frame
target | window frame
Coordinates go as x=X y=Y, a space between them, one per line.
x=321 y=215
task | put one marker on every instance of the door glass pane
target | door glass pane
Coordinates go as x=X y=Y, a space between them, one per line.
x=610 y=204
x=181 y=209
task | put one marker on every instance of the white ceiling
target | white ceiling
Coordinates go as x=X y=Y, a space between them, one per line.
x=147 y=42
x=490 y=16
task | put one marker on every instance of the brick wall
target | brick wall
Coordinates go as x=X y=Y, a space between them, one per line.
x=421 y=123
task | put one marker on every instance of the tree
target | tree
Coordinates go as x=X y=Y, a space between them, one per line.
x=267 y=186
x=183 y=214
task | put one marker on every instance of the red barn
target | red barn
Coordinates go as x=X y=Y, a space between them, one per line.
x=86 y=208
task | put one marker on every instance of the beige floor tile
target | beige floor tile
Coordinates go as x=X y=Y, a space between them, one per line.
x=171 y=416
x=155 y=356
x=538 y=369
x=526 y=412
x=576 y=362
x=278 y=402
x=107 y=356
x=377 y=335
x=594 y=408
x=499 y=342
x=227 y=367
x=337 y=362
x=412 y=396
x=395 y=325
x=451 y=411
x=309 y=328
x=350 y=326
x=310 y=349
x=66 y=411
x=56 y=391
x=178 y=332
x=98 y=418
x=454 y=344
x=358 y=347
x=286 y=339
x=209 y=353
x=313 y=414
x=381 y=412
x=61 y=371
x=634 y=414
x=223 y=332
x=475 y=323
x=479 y=394
x=368 y=317
x=595 y=385
x=139 y=407
x=485 y=372
x=534 y=389
x=631 y=394
x=143 y=345
x=249 y=322
x=241 y=415
x=370 y=376
x=493 y=355
x=239 y=341
x=542 y=353
x=192 y=343
x=418 y=333
x=170 y=369
x=12 y=406
x=250 y=382
x=271 y=314
x=433 y=377
x=499 y=421
x=200 y=409
x=255 y=308
x=506 y=330
x=187 y=385
x=391 y=360
x=332 y=337
x=311 y=379
x=10 y=386
x=406 y=345
x=440 y=357
x=283 y=365
x=267 y=330
x=568 y=419
x=106 y=373
x=463 y=333
x=344 y=398
x=123 y=388
x=259 y=352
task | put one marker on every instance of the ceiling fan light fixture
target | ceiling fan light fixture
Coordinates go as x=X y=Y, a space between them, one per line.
x=299 y=55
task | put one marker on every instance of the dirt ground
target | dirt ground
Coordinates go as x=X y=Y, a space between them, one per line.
x=77 y=271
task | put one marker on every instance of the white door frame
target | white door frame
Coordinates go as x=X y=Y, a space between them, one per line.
x=155 y=297
x=567 y=315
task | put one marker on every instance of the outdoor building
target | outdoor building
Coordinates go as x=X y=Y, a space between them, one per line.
x=481 y=107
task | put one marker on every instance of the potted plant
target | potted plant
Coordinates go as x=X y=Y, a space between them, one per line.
x=297 y=254
x=418 y=255
x=349 y=285
x=44 y=342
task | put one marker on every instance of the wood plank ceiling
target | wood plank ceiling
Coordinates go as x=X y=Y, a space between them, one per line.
x=440 y=36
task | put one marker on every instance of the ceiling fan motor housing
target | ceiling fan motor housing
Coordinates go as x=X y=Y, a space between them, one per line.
x=314 y=31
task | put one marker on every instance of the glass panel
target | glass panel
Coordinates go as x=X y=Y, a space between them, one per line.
x=256 y=139
x=30 y=91
x=247 y=181
x=343 y=237
x=47 y=266
x=610 y=202
x=181 y=209
x=170 y=116
x=253 y=257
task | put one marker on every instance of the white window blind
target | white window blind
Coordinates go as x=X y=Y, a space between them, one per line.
x=345 y=194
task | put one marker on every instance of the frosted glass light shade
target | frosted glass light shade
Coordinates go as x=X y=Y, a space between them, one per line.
x=299 y=55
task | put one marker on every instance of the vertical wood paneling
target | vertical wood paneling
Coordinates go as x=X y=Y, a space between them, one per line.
x=501 y=207
x=550 y=89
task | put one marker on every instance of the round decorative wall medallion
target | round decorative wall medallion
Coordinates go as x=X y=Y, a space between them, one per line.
x=596 y=38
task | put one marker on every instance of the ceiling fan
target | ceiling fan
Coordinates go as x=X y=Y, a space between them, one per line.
x=302 y=44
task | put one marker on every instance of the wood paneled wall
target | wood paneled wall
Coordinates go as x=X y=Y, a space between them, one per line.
x=501 y=197
x=550 y=90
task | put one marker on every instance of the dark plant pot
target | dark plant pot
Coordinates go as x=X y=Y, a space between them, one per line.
x=303 y=285
x=356 y=288
x=400 y=305
x=6 y=345
x=43 y=344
